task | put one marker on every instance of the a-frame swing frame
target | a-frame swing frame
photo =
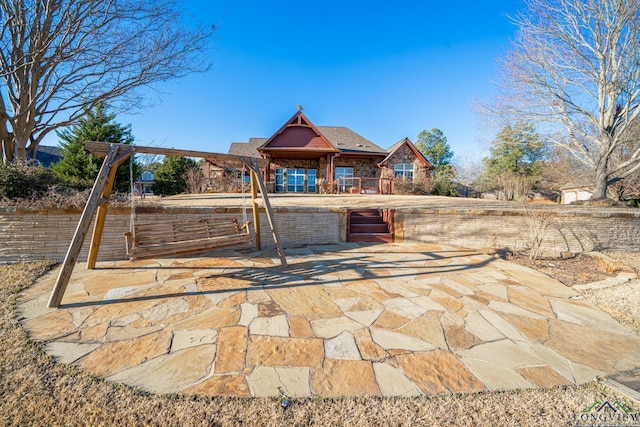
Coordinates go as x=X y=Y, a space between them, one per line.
x=98 y=204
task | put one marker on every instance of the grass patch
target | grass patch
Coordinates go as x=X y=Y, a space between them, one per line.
x=37 y=391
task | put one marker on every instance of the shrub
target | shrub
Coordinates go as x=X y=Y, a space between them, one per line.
x=19 y=181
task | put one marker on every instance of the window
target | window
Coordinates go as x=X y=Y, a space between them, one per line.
x=342 y=175
x=279 y=180
x=403 y=170
x=146 y=176
x=295 y=180
x=311 y=180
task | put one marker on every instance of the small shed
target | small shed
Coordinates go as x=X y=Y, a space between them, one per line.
x=574 y=193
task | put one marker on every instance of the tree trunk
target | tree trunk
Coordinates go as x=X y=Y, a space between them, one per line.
x=601 y=181
x=7 y=151
x=21 y=153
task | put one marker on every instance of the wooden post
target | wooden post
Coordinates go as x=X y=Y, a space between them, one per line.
x=83 y=228
x=101 y=216
x=267 y=207
x=256 y=212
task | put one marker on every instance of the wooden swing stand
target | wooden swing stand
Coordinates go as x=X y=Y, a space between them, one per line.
x=171 y=238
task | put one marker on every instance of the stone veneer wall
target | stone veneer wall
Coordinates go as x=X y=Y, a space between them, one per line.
x=35 y=236
x=405 y=155
x=571 y=230
x=28 y=236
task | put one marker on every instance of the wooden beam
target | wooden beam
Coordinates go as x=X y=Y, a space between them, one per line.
x=256 y=208
x=101 y=148
x=83 y=228
x=252 y=164
x=101 y=216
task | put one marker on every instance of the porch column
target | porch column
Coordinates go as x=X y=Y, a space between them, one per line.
x=330 y=171
x=267 y=169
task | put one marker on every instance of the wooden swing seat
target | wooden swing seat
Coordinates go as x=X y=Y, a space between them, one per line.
x=153 y=240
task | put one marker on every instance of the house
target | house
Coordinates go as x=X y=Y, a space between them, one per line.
x=305 y=158
x=144 y=182
x=48 y=155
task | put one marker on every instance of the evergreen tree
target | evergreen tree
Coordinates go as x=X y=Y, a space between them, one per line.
x=434 y=147
x=514 y=163
x=78 y=167
x=169 y=177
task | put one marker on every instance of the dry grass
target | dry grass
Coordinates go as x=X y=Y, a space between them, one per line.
x=609 y=266
x=36 y=391
x=620 y=302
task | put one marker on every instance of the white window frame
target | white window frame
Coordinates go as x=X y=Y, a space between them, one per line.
x=403 y=170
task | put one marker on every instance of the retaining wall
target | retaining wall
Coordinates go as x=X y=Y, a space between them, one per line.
x=561 y=229
x=26 y=236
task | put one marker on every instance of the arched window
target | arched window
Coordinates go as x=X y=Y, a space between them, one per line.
x=403 y=170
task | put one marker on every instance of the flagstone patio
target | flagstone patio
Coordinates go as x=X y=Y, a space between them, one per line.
x=398 y=319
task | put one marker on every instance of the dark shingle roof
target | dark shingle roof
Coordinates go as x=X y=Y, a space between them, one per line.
x=342 y=138
x=395 y=147
x=346 y=140
x=48 y=155
x=248 y=149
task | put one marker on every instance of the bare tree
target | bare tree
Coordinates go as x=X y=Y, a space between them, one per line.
x=61 y=58
x=575 y=66
x=195 y=179
x=561 y=169
x=468 y=171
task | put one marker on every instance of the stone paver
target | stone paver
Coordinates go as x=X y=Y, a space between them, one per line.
x=398 y=319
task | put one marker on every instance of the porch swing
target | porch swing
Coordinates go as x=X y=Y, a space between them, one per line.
x=170 y=238
x=173 y=238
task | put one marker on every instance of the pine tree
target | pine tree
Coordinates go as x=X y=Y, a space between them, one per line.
x=434 y=147
x=515 y=161
x=78 y=166
x=169 y=177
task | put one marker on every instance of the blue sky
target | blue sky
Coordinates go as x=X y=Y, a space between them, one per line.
x=387 y=70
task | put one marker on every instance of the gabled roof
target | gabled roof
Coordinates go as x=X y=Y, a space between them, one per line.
x=298 y=133
x=299 y=137
x=406 y=141
x=247 y=149
x=348 y=141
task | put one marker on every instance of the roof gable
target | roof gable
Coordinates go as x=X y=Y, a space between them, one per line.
x=402 y=143
x=298 y=133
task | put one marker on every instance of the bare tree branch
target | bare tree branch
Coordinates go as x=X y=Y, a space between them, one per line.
x=574 y=70
x=60 y=58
